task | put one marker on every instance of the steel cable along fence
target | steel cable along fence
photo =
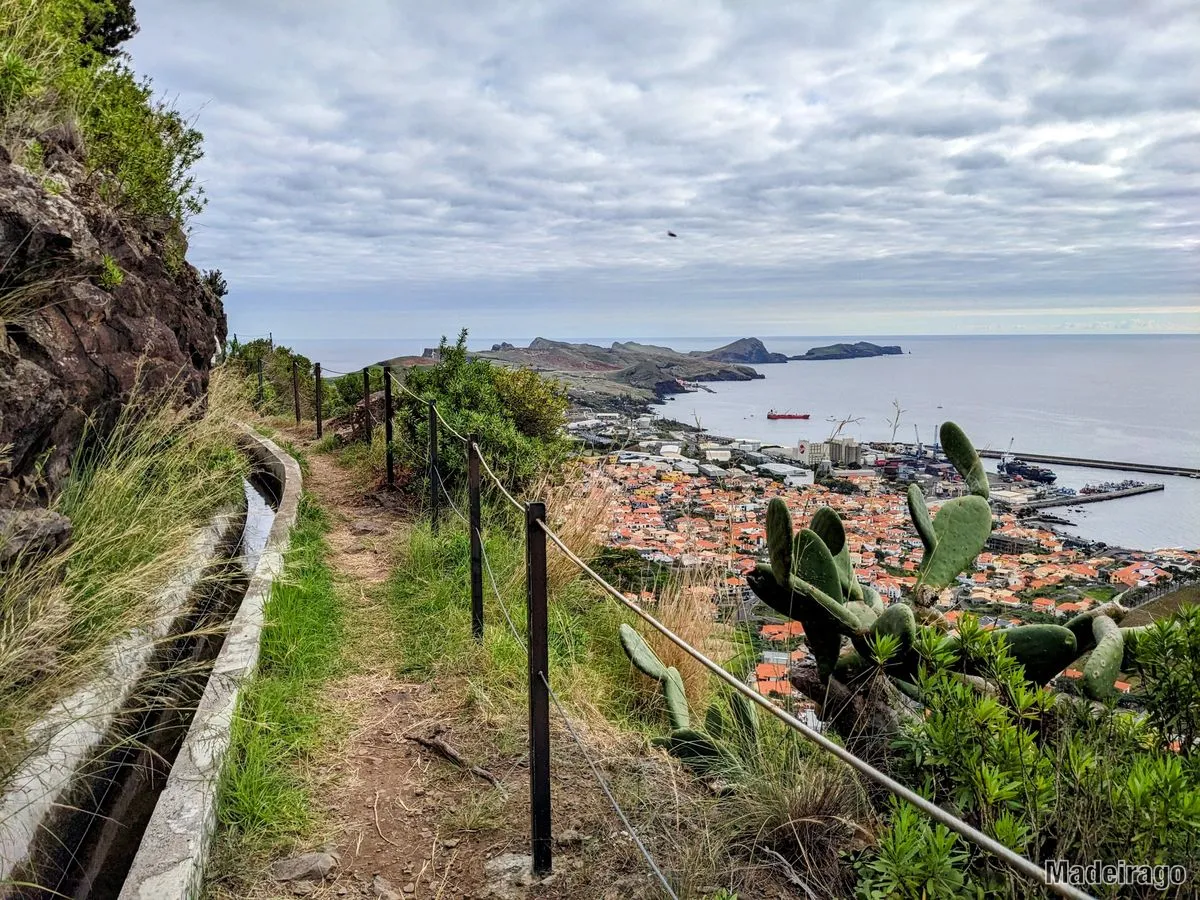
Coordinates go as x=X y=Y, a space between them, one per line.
x=572 y=730
x=1013 y=860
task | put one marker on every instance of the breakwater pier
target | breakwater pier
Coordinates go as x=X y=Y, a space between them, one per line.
x=1149 y=468
x=1080 y=499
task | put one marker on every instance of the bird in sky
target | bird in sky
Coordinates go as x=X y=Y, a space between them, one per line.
x=672 y=234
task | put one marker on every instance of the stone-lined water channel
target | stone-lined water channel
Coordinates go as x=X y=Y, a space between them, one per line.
x=87 y=848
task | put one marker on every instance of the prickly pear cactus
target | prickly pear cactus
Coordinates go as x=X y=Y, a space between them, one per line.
x=961 y=452
x=1105 y=662
x=723 y=746
x=810 y=578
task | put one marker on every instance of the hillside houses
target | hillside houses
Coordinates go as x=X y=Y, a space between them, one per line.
x=688 y=519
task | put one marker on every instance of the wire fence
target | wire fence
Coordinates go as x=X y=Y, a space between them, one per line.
x=538 y=530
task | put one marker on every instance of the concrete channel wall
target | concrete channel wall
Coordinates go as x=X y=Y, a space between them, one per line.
x=174 y=851
x=70 y=734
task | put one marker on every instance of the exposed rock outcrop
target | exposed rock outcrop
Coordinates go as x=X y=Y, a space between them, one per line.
x=90 y=302
x=751 y=351
x=859 y=350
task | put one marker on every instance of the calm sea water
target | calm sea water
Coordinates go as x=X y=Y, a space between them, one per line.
x=1131 y=398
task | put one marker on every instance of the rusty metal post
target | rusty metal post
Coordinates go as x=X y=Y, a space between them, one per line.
x=317 y=392
x=539 y=689
x=367 y=402
x=473 y=484
x=387 y=426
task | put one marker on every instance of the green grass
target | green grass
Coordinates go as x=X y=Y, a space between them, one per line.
x=264 y=798
x=429 y=601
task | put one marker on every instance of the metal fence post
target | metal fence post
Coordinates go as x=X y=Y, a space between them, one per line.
x=387 y=426
x=260 y=381
x=317 y=393
x=539 y=691
x=476 y=539
x=296 y=389
x=367 y=402
x=434 y=495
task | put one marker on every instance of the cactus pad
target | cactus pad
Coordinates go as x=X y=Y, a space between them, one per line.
x=745 y=715
x=828 y=527
x=779 y=539
x=1102 y=666
x=1081 y=625
x=640 y=654
x=813 y=564
x=960 y=451
x=1044 y=650
x=918 y=511
x=676 y=698
x=962 y=527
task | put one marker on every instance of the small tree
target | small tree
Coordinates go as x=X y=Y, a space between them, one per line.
x=517 y=416
x=1168 y=657
x=215 y=282
x=109 y=24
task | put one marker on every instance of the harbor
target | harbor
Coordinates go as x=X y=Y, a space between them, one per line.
x=1020 y=488
x=1021 y=504
x=1148 y=468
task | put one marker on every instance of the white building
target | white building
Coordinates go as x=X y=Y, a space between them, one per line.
x=779 y=470
x=844 y=452
x=811 y=453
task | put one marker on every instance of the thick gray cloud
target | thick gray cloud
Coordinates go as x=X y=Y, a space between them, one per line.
x=847 y=165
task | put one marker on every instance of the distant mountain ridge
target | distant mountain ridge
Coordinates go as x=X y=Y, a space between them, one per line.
x=653 y=372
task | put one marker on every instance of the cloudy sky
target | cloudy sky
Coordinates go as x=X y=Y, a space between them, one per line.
x=387 y=167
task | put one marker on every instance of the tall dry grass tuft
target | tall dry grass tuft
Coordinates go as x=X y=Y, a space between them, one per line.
x=136 y=500
x=579 y=509
x=686 y=604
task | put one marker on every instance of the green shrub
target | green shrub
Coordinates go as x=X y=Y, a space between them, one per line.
x=143 y=147
x=1049 y=779
x=499 y=406
x=58 y=66
x=277 y=362
x=916 y=860
x=111 y=276
x=1168 y=658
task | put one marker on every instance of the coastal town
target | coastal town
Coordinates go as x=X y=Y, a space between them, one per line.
x=684 y=499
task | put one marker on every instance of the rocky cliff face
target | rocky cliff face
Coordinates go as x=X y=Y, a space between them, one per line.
x=87 y=301
x=745 y=350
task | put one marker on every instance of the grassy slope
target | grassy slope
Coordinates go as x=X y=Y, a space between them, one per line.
x=135 y=503
x=429 y=602
x=794 y=801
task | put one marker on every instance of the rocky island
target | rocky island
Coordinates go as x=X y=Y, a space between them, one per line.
x=626 y=375
x=630 y=375
x=859 y=350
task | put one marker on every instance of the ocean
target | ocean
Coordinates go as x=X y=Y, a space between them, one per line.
x=1132 y=398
